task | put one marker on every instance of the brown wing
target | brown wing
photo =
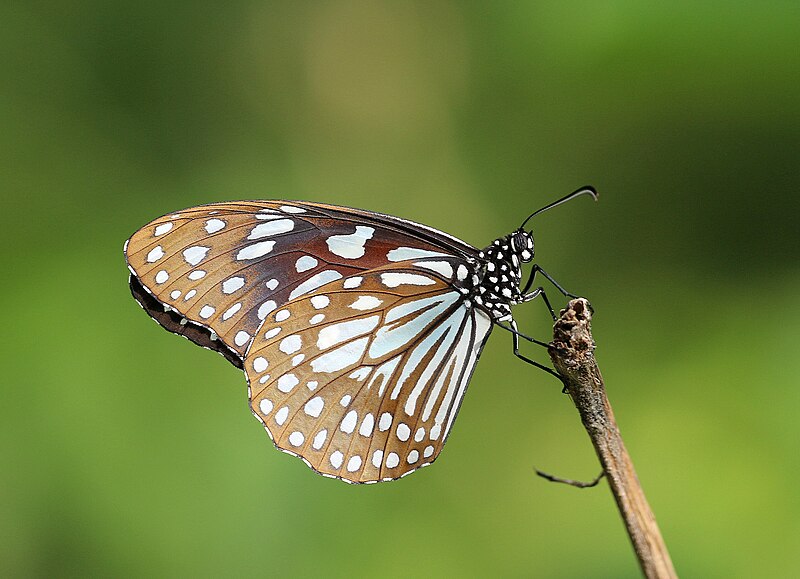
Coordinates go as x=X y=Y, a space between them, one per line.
x=363 y=378
x=213 y=273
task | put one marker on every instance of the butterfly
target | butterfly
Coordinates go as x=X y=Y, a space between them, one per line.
x=358 y=332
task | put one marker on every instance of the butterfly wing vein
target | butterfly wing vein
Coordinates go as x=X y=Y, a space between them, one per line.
x=370 y=396
x=356 y=344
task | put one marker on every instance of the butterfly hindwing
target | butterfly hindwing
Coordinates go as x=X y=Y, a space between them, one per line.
x=213 y=273
x=363 y=377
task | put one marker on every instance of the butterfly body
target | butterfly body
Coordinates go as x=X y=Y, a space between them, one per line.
x=358 y=332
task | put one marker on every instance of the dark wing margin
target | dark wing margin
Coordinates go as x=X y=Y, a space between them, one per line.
x=174 y=322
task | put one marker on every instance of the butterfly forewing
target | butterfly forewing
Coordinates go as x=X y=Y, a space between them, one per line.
x=363 y=377
x=226 y=266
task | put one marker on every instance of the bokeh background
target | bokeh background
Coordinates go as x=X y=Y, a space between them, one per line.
x=129 y=452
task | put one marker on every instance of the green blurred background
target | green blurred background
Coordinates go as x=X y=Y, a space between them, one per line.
x=129 y=452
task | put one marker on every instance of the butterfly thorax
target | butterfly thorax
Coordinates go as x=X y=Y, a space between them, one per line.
x=501 y=273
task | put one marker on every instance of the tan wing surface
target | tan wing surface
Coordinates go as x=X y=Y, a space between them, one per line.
x=363 y=378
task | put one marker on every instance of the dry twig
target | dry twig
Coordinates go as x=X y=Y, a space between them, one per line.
x=572 y=352
x=578 y=484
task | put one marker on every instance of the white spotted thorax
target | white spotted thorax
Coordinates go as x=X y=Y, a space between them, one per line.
x=498 y=282
x=358 y=332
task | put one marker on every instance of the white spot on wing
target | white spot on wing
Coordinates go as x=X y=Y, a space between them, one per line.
x=305 y=263
x=314 y=406
x=394 y=279
x=268 y=214
x=336 y=459
x=232 y=284
x=367 y=425
x=195 y=254
x=403 y=431
x=320 y=302
x=231 y=311
x=255 y=250
x=350 y=246
x=207 y=311
x=260 y=364
x=163 y=228
x=292 y=209
x=385 y=422
x=272 y=284
x=319 y=439
x=296 y=438
x=352 y=282
x=214 y=225
x=282 y=415
x=349 y=423
x=197 y=274
x=271 y=228
x=265 y=309
x=291 y=344
x=404 y=253
x=314 y=282
x=155 y=254
x=441 y=267
x=365 y=303
x=287 y=382
x=241 y=338
x=265 y=406
x=162 y=276
x=392 y=460
x=354 y=463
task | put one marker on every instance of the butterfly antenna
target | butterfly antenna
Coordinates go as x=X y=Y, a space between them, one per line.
x=588 y=190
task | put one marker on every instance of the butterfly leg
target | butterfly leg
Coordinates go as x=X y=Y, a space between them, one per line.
x=539 y=291
x=538 y=269
x=515 y=335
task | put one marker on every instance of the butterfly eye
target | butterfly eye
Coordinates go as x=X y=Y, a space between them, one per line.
x=522 y=245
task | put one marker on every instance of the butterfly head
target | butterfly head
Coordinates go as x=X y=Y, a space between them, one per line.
x=521 y=245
